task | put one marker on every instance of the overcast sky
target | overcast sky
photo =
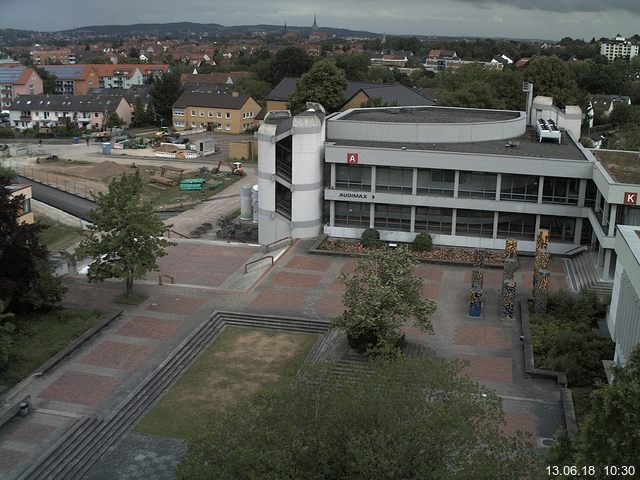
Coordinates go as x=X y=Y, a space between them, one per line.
x=546 y=19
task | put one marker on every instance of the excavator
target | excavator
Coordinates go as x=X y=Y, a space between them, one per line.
x=235 y=167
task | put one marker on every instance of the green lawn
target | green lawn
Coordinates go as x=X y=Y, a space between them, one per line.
x=240 y=362
x=58 y=236
x=39 y=336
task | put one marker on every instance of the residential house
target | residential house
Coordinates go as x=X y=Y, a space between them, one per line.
x=125 y=76
x=220 y=112
x=356 y=95
x=15 y=81
x=42 y=56
x=130 y=94
x=603 y=104
x=502 y=59
x=73 y=79
x=25 y=214
x=84 y=111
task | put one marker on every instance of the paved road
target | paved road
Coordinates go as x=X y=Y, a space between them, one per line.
x=72 y=204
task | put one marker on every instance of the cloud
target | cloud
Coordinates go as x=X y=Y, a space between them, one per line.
x=565 y=6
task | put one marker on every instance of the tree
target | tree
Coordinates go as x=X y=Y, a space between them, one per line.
x=610 y=433
x=256 y=89
x=552 y=77
x=125 y=239
x=48 y=80
x=139 y=114
x=324 y=83
x=411 y=418
x=22 y=256
x=380 y=297
x=6 y=329
x=288 y=62
x=355 y=66
x=164 y=93
x=112 y=119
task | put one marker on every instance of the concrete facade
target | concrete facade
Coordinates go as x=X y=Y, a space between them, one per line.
x=623 y=318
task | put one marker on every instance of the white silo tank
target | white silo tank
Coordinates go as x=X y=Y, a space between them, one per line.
x=245 y=203
x=254 y=201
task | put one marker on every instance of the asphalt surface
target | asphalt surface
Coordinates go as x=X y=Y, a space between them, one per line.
x=72 y=204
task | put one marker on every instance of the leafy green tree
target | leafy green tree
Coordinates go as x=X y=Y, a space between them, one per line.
x=112 y=119
x=125 y=239
x=324 y=83
x=288 y=62
x=411 y=418
x=355 y=66
x=610 y=433
x=380 y=297
x=48 y=80
x=22 y=256
x=552 y=77
x=256 y=89
x=6 y=329
x=139 y=114
x=164 y=93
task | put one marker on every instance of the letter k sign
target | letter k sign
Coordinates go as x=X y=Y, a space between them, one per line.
x=630 y=198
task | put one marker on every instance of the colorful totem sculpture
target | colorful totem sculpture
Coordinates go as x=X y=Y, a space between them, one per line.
x=477 y=278
x=511 y=248
x=508 y=298
x=541 y=293
x=475 y=302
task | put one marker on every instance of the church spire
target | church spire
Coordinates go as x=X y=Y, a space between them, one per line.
x=315 y=24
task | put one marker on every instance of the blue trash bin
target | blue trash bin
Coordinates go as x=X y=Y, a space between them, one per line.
x=75 y=140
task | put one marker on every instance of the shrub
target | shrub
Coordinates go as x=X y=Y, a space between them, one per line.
x=370 y=238
x=583 y=307
x=422 y=243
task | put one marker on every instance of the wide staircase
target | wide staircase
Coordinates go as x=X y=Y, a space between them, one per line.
x=584 y=276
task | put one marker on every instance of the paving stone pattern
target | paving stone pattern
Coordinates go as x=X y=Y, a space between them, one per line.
x=102 y=373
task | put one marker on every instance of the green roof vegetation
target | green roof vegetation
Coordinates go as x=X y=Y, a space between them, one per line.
x=624 y=167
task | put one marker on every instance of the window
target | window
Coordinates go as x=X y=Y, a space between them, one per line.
x=201 y=113
x=227 y=126
x=477 y=185
x=590 y=194
x=519 y=187
x=219 y=126
x=95 y=114
x=560 y=190
x=474 y=223
x=433 y=220
x=351 y=214
x=201 y=124
x=193 y=113
x=436 y=182
x=26 y=206
x=227 y=115
x=210 y=114
x=353 y=177
x=560 y=228
x=178 y=113
x=516 y=225
x=395 y=179
x=393 y=217
x=218 y=114
x=179 y=123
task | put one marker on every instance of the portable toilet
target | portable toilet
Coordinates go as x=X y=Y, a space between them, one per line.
x=106 y=148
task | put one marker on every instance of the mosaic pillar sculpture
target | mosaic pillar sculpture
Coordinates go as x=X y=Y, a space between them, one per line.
x=475 y=302
x=478 y=258
x=511 y=249
x=541 y=293
x=477 y=278
x=508 y=298
x=510 y=267
x=542 y=240
x=540 y=262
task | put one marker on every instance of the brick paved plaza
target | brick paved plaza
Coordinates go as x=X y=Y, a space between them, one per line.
x=106 y=369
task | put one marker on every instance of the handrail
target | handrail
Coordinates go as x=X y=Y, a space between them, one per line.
x=168 y=276
x=575 y=250
x=268 y=245
x=256 y=261
x=169 y=230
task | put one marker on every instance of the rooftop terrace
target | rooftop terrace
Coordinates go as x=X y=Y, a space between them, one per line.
x=526 y=145
x=624 y=167
x=429 y=115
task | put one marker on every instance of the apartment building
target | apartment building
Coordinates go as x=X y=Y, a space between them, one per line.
x=125 y=75
x=84 y=111
x=17 y=80
x=73 y=79
x=219 y=112
x=618 y=47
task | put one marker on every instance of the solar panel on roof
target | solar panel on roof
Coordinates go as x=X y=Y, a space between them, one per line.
x=10 y=74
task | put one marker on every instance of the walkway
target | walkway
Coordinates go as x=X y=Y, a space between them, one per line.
x=101 y=375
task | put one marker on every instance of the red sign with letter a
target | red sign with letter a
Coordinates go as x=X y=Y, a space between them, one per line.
x=352 y=158
x=630 y=198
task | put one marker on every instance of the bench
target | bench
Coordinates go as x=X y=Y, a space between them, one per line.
x=190 y=186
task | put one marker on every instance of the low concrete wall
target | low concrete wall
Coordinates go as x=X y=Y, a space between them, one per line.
x=58 y=215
